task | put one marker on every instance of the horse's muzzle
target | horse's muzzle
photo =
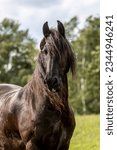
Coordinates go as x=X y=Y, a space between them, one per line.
x=53 y=83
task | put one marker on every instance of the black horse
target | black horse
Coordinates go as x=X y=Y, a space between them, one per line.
x=37 y=116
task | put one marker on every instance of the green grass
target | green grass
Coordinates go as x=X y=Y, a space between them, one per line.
x=87 y=133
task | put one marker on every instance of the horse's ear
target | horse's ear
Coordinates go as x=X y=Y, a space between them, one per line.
x=46 y=30
x=61 y=28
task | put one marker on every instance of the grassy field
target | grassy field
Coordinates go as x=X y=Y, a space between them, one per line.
x=87 y=133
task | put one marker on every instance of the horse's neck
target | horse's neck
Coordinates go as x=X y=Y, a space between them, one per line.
x=35 y=91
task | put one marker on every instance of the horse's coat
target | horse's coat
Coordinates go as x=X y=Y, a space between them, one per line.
x=37 y=116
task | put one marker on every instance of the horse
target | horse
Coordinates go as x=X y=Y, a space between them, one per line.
x=38 y=116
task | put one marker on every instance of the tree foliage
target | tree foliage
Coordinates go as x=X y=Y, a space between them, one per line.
x=87 y=85
x=16 y=53
x=71 y=28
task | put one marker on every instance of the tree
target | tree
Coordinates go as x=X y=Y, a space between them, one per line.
x=84 y=91
x=90 y=61
x=92 y=90
x=71 y=28
x=17 y=50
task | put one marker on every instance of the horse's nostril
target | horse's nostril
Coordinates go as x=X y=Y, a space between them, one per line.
x=52 y=83
x=55 y=80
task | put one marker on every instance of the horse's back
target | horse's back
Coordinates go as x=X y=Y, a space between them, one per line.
x=5 y=88
x=8 y=94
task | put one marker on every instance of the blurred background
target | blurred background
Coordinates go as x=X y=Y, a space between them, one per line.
x=21 y=24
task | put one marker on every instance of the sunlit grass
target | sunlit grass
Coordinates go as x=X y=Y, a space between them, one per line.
x=87 y=133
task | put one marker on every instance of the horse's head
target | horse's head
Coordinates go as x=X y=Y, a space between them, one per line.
x=56 y=57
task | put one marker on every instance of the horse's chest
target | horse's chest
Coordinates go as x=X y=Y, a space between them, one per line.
x=51 y=134
x=49 y=125
x=49 y=120
x=47 y=116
